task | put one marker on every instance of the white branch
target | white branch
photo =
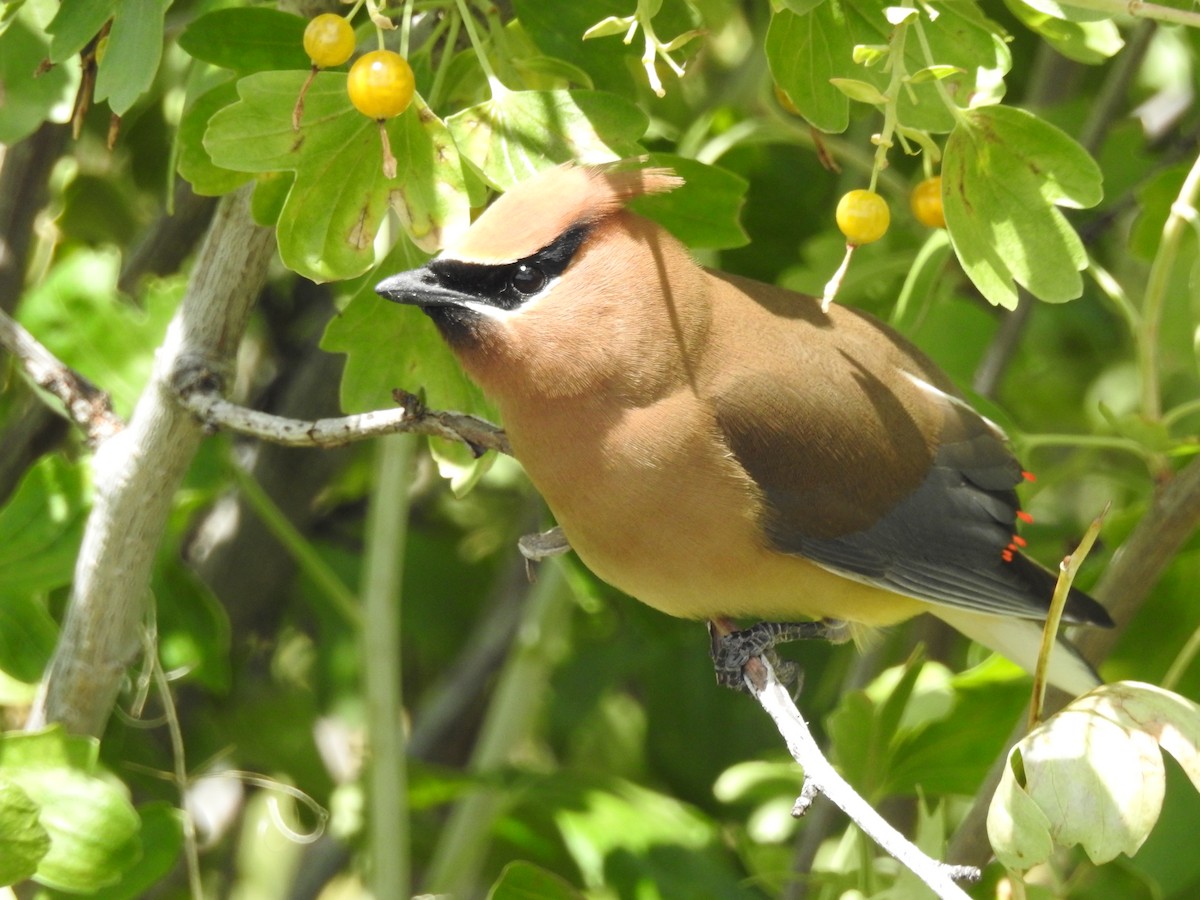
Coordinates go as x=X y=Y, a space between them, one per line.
x=137 y=473
x=197 y=391
x=821 y=777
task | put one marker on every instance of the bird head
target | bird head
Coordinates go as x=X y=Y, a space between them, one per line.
x=557 y=289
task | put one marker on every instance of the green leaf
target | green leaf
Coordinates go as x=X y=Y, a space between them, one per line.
x=195 y=165
x=1068 y=11
x=340 y=196
x=134 y=50
x=516 y=134
x=162 y=842
x=933 y=73
x=1093 y=775
x=862 y=91
x=609 y=26
x=1003 y=173
x=1087 y=42
x=41 y=527
x=804 y=53
x=524 y=881
x=253 y=39
x=93 y=829
x=27 y=636
x=391 y=346
x=22 y=836
x=25 y=101
x=76 y=23
x=705 y=211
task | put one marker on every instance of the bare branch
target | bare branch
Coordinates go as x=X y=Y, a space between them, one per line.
x=197 y=390
x=820 y=777
x=88 y=406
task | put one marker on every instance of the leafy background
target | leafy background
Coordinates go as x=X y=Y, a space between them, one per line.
x=562 y=738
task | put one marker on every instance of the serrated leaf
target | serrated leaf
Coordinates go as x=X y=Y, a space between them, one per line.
x=862 y=91
x=195 y=165
x=340 y=196
x=76 y=23
x=1093 y=775
x=22 y=836
x=93 y=829
x=134 y=50
x=252 y=39
x=391 y=346
x=705 y=211
x=1088 y=42
x=516 y=134
x=1003 y=173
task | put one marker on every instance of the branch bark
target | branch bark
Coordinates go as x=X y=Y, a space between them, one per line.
x=820 y=777
x=137 y=474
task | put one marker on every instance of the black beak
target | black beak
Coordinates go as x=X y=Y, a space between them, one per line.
x=420 y=287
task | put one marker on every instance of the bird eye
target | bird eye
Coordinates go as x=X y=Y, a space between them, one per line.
x=528 y=279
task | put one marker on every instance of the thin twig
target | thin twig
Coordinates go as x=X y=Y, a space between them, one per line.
x=821 y=777
x=88 y=406
x=198 y=392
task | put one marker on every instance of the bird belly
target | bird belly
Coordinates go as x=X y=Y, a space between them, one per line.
x=670 y=520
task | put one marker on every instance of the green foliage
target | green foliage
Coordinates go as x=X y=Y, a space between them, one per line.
x=86 y=836
x=632 y=775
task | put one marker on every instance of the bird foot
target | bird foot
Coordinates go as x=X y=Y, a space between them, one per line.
x=732 y=650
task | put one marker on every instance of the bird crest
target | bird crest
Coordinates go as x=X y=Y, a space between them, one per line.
x=532 y=214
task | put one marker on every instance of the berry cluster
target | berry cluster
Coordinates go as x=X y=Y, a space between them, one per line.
x=380 y=84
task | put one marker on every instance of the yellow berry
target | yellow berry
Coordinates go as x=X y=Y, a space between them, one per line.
x=328 y=40
x=380 y=84
x=926 y=200
x=862 y=216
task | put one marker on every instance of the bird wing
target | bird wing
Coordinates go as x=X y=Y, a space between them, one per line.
x=871 y=471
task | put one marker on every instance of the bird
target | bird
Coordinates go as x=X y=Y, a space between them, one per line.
x=721 y=448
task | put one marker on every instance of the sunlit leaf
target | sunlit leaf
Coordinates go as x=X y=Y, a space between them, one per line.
x=134 y=50
x=1003 y=174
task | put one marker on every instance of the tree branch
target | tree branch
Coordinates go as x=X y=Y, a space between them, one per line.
x=138 y=472
x=820 y=777
x=198 y=392
x=88 y=406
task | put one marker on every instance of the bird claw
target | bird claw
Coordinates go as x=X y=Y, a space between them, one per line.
x=732 y=651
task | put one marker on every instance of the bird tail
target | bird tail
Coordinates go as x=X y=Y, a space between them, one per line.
x=1019 y=640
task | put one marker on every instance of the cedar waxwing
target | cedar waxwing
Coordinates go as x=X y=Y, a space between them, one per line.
x=718 y=447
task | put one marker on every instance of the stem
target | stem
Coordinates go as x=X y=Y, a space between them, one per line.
x=439 y=77
x=1181 y=663
x=1095 y=441
x=960 y=117
x=1183 y=410
x=1183 y=209
x=191 y=853
x=341 y=598
x=406 y=27
x=522 y=685
x=895 y=61
x=493 y=82
x=387 y=789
